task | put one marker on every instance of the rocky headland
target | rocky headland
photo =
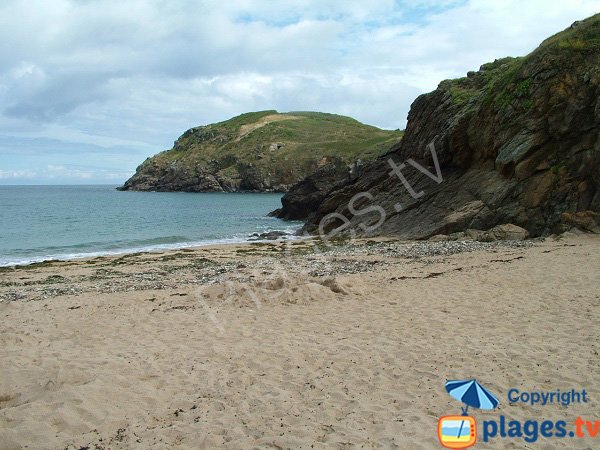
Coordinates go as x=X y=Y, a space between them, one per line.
x=262 y=151
x=516 y=142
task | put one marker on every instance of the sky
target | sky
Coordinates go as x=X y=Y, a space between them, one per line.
x=90 y=88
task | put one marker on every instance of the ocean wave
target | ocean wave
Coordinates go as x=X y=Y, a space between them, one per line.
x=142 y=246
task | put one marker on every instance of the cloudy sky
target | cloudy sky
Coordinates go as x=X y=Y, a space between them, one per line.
x=90 y=88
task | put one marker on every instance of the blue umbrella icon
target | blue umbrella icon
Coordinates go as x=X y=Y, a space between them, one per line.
x=471 y=393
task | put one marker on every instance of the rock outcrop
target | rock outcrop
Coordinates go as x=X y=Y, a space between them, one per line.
x=310 y=192
x=261 y=151
x=515 y=142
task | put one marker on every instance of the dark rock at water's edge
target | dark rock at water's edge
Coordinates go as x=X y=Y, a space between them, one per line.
x=264 y=151
x=517 y=143
x=268 y=236
x=308 y=194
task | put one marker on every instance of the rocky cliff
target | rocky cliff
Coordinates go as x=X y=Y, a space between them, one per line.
x=516 y=142
x=261 y=151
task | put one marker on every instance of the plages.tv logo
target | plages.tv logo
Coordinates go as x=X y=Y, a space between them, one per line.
x=461 y=431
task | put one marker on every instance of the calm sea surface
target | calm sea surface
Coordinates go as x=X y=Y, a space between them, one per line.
x=60 y=222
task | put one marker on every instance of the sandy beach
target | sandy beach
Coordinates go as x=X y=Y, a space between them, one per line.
x=288 y=346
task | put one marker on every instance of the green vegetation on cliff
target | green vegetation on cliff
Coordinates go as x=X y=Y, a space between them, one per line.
x=517 y=141
x=260 y=151
x=511 y=81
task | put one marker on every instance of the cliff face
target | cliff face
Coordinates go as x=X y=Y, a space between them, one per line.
x=516 y=142
x=262 y=151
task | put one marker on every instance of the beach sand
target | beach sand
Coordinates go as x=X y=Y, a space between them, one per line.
x=261 y=346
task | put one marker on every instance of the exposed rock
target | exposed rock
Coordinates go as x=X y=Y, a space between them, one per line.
x=506 y=232
x=309 y=193
x=584 y=220
x=476 y=235
x=268 y=236
x=517 y=142
x=259 y=152
x=439 y=238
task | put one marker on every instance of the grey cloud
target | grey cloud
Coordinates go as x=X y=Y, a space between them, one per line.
x=11 y=145
x=60 y=95
x=144 y=71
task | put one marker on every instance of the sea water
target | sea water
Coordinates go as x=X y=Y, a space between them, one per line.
x=39 y=223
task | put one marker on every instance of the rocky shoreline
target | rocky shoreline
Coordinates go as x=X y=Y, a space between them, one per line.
x=219 y=264
x=517 y=141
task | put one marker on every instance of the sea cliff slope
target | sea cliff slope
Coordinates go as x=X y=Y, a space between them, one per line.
x=261 y=151
x=516 y=142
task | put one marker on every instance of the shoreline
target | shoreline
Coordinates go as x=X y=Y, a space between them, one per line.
x=66 y=226
x=159 y=248
x=257 y=345
x=185 y=246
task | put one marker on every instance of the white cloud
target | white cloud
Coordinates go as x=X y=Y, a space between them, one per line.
x=136 y=74
x=17 y=174
x=57 y=174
